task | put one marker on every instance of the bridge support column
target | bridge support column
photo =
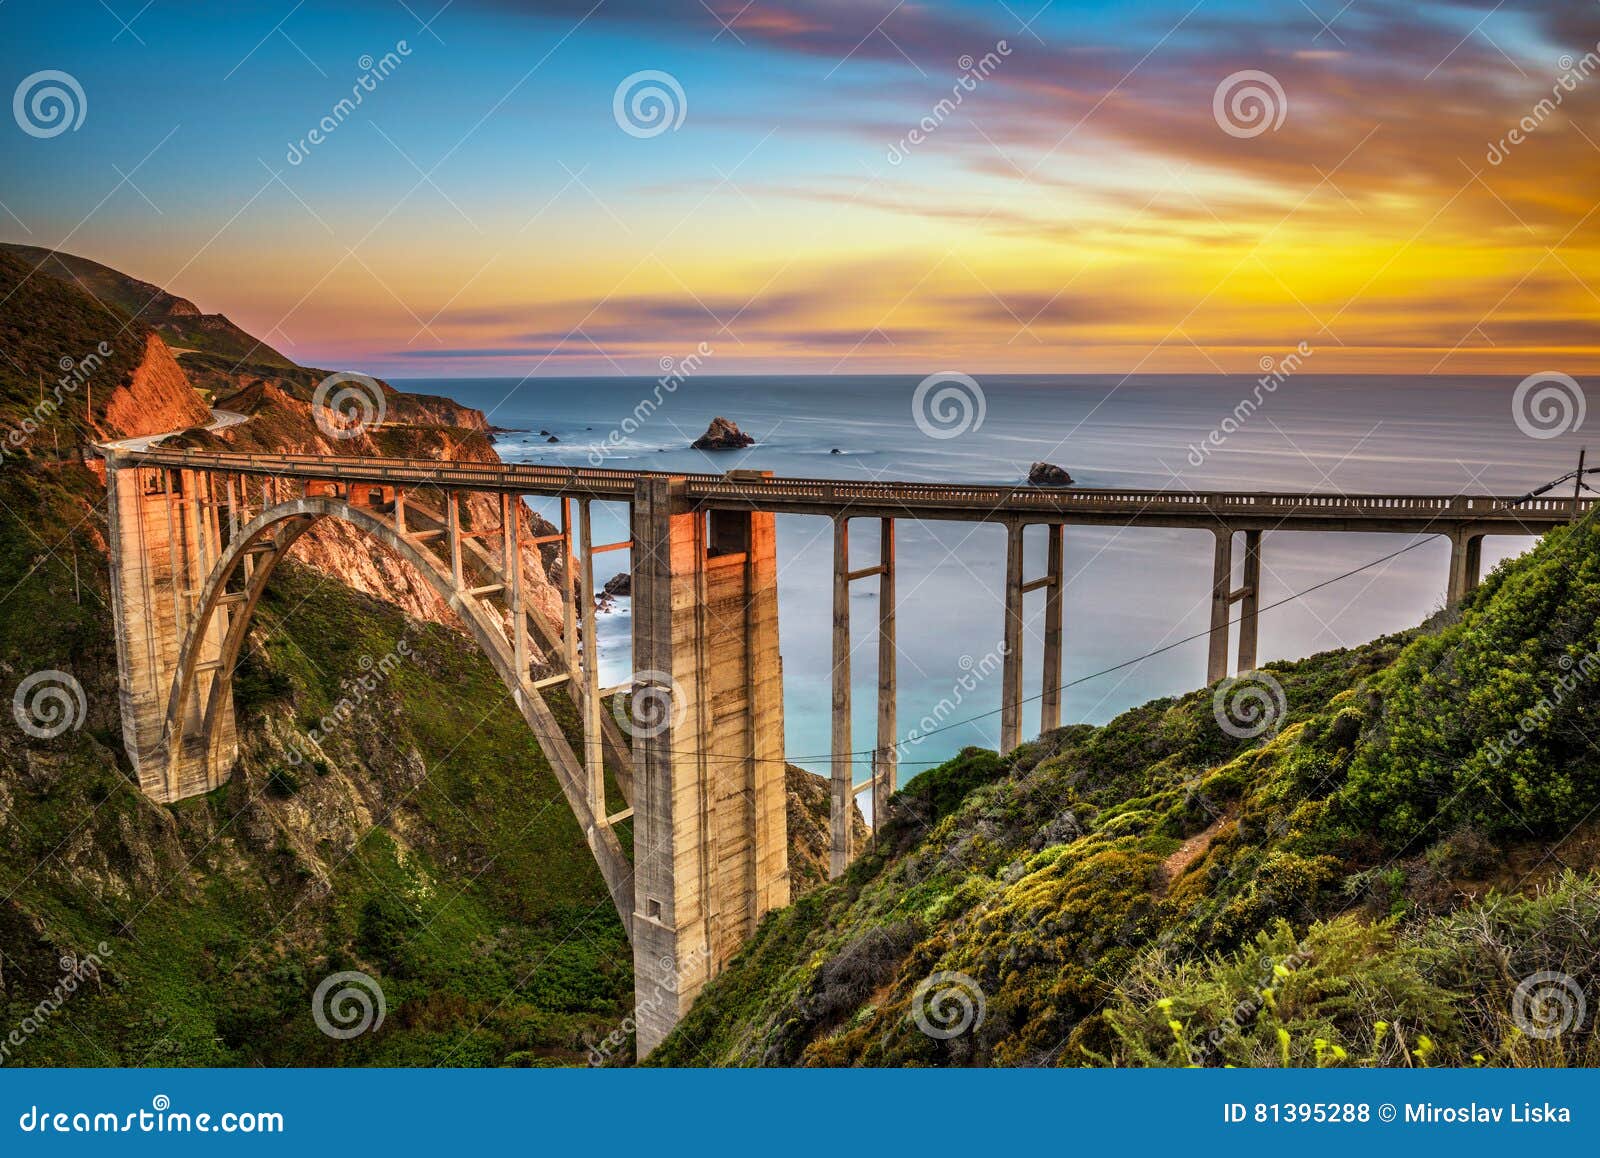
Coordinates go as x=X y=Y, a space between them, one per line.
x=1054 y=582
x=886 y=760
x=589 y=702
x=1466 y=556
x=160 y=534
x=1011 y=662
x=1221 y=600
x=842 y=782
x=710 y=826
x=569 y=606
x=1249 y=597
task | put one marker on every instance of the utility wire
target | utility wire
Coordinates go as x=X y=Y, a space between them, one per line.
x=869 y=752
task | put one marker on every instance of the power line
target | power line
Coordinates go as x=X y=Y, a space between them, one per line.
x=869 y=752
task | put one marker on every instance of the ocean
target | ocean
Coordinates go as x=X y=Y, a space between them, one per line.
x=1129 y=591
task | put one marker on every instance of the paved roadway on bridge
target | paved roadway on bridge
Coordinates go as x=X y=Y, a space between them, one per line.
x=749 y=490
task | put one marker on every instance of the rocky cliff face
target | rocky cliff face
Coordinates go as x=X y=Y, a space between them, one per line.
x=415 y=426
x=155 y=398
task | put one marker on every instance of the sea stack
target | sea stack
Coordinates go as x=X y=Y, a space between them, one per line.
x=722 y=435
x=1048 y=474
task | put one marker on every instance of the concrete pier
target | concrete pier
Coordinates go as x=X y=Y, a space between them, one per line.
x=710 y=829
x=162 y=530
x=1466 y=561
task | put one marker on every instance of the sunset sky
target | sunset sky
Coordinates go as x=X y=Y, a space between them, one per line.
x=1085 y=208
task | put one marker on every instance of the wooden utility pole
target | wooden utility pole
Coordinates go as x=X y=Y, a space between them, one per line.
x=1577 y=482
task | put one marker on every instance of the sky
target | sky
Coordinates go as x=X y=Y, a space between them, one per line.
x=831 y=186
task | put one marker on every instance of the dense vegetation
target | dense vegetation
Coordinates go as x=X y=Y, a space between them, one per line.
x=1370 y=883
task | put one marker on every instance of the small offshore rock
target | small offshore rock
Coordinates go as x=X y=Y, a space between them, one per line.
x=722 y=435
x=1048 y=474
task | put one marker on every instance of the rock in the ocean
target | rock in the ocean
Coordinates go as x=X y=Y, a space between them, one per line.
x=619 y=586
x=836 y=450
x=552 y=438
x=722 y=435
x=1048 y=474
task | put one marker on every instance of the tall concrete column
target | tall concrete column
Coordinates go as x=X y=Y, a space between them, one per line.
x=569 y=607
x=841 y=784
x=452 y=517
x=1250 y=602
x=1055 y=581
x=1221 y=600
x=157 y=534
x=593 y=758
x=511 y=576
x=710 y=828
x=1011 y=663
x=1466 y=553
x=885 y=765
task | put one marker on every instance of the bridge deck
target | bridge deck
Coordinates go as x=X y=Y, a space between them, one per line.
x=1241 y=510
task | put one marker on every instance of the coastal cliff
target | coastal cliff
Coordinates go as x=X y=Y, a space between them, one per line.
x=240 y=373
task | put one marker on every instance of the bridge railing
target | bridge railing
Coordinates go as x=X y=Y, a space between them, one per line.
x=843 y=494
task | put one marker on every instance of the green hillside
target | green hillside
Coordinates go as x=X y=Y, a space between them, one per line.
x=1369 y=885
x=179 y=321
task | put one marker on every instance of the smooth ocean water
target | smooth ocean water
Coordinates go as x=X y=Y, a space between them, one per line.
x=1129 y=591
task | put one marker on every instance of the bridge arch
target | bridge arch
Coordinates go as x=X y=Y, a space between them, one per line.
x=192 y=726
